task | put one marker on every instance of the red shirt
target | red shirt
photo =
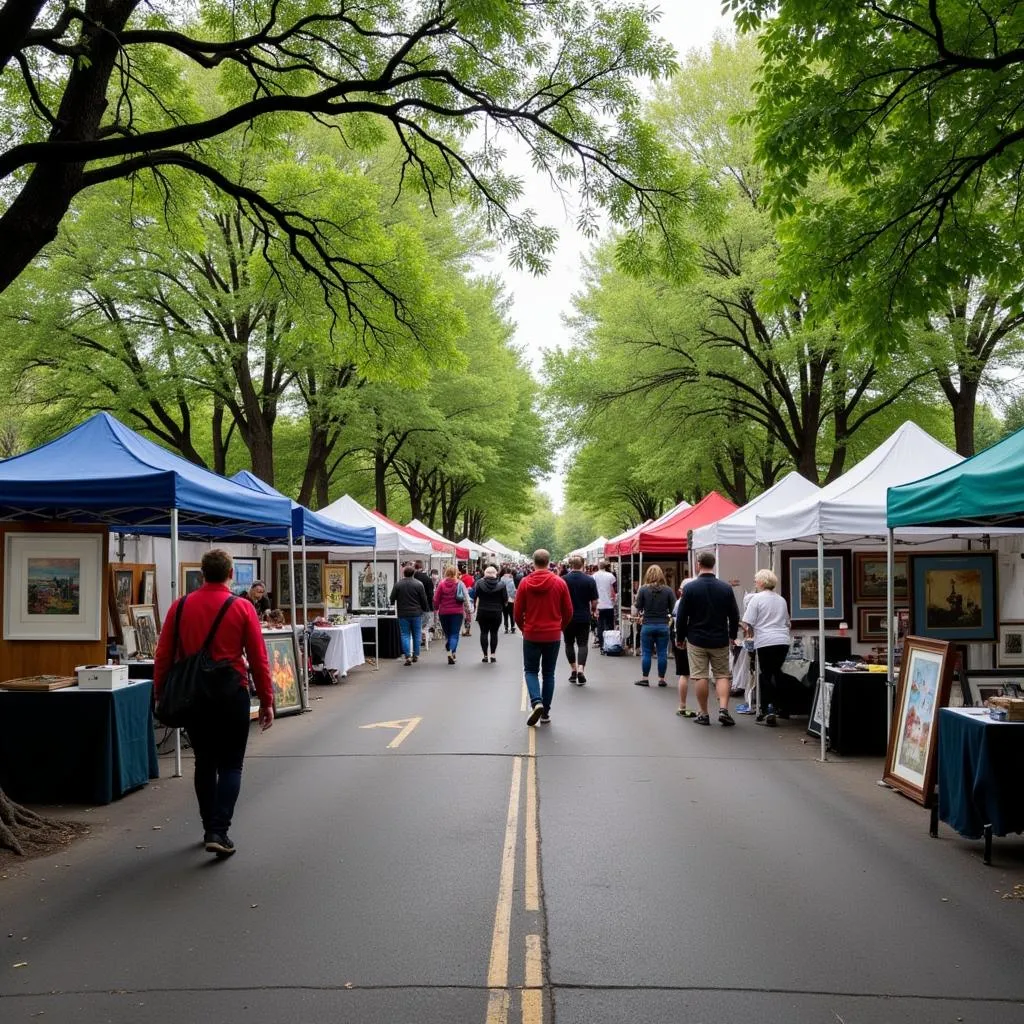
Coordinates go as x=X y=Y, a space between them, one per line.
x=543 y=606
x=468 y=581
x=238 y=638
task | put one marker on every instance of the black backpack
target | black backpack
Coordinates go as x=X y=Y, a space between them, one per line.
x=195 y=680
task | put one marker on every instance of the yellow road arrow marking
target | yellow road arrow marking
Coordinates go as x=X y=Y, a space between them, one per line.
x=405 y=724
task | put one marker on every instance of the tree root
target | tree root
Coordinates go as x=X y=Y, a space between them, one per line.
x=19 y=825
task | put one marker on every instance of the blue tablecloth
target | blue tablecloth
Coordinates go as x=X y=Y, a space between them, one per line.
x=77 y=746
x=981 y=768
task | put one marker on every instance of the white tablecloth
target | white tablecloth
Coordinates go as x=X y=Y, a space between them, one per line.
x=345 y=650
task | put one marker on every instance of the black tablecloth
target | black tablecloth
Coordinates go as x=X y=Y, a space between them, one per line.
x=981 y=766
x=77 y=746
x=857 y=719
x=389 y=639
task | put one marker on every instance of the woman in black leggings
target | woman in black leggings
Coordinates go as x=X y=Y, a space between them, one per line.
x=491 y=601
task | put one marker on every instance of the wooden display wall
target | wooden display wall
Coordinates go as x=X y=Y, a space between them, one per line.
x=113 y=613
x=51 y=657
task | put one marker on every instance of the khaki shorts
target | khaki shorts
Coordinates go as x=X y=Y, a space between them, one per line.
x=703 y=657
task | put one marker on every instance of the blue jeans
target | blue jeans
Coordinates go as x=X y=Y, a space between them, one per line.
x=540 y=659
x=651 y=637
x=452 y=626
x=411 y=630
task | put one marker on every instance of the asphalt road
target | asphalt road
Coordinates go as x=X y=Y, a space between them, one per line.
x=621 y=864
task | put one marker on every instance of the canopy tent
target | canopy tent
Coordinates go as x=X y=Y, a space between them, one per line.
x=619 y=544
x=310 y=525
x=440 y=543
x=670 y=534
x=475 y=550
x=495 y=547
x=984 y=490
x=593 y=551
x=739 y=527
x=854 y=505
x=102 y=472
x=391 y=538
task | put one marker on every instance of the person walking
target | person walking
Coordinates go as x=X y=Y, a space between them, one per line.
x=410 y=599
x=766 y=622
x=450 y=600
x=653 y=608
x=428 y=585
x=583 y=593
x=490 y=600
x=682 y=662
x=469 y=582
x=607 y=591
x=510 y=589
x=219 y=727
x=707 y=621
x=543 y=608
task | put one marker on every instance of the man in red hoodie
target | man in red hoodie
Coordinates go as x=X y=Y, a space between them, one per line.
x=543 y=609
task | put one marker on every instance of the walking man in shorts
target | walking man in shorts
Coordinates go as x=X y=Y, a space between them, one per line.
x=583 y=592
x=707 y=621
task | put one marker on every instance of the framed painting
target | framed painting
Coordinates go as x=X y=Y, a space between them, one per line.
x=1011 y=645
x=284 y=672
x=147 y=587
x=308 y=576
x=819 y=715
x=926 y=677
x=955 y=596
x=144 y=622
x=871 y=575
x=122 y=583
x=247 y=572
x=53 y=586
x=800 y=588
x=372 y=583
x=130 y=643
x=336 y=584
x=190 y=577
x=871 y=623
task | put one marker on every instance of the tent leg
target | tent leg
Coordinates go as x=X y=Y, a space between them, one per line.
x=305 y=627
x=294 y=610
x=376 y=608
x=717 y=572
x=890 y=640
x=821 y=646
x=174 y=597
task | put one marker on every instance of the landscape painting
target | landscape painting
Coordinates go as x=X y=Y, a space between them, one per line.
x=53 y=585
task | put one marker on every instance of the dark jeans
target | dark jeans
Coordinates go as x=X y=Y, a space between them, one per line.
x=506 y=615
x=452 y=626
x=651 y=637
x=769 y=664
x=540 y=659
x=577 y=636
x=218 y=736
x=488 y=623
x=605 y=620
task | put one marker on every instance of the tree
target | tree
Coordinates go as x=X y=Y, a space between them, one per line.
x=106 y=93
x=912 y=106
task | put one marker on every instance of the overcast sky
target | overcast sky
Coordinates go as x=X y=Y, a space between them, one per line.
x=539 y=303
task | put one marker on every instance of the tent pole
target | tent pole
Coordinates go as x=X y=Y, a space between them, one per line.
x=305 y=627
x=821 y=645
x=717 y=573
x=756 y=669
x=294 y=613
x=376 y=609
x=174 y=596
x=890 y=640
x=636 y=635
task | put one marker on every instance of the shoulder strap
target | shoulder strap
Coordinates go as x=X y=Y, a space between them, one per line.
x=177 y=627
x=217 y=621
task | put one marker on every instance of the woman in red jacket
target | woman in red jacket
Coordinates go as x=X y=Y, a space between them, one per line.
x=450 y=600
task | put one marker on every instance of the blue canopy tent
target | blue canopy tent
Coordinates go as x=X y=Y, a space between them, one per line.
x=103 y=473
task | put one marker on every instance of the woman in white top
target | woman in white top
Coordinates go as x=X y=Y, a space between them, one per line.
x=766 y=621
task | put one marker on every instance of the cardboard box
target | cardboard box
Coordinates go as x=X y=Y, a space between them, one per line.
x=102 y=677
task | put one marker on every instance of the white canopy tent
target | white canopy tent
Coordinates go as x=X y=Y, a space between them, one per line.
x=475 y=550
x=495 y=547
x=592 y=552
x=420 y=527
x=853 y=508
x=391 y=540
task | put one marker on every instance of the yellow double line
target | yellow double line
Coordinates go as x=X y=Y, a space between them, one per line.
x=532 y=992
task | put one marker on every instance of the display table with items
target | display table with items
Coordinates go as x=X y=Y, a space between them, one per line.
x=77 y=746
x=980 y=768
x=388 y=640
x=856 y=712
x=345 y=649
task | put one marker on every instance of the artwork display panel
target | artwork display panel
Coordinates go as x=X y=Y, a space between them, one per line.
x=926 y=677
x=247 y=571
x=309 y=576
x=955 y=596
x=147 y=591
x=1011 y=645
x=123 y=584
x=870 y=577
x=336 y=584
x=800 y=588
x=53 y=586
x=372 y=583
x=284 y=674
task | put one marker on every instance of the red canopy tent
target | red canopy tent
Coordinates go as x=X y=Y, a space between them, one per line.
x=619 y=544
x=670 y=535
x=443 y=547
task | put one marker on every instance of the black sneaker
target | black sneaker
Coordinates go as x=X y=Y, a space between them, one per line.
x=642 y=682
x=574 y=678
x=703 y=719
x=218 y=843
x=769 y=718
x=581 y=679
x=661 y=682
x=724 y=718
x=535 y=712
x=545 y=719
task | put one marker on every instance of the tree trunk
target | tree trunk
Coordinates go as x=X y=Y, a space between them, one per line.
x=380 y=472
x=963 y=417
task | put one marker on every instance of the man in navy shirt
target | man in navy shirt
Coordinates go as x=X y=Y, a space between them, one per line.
x=583 y=591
